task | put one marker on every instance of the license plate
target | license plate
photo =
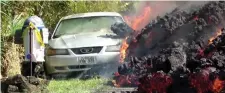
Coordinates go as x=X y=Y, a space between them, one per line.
x=86 y=60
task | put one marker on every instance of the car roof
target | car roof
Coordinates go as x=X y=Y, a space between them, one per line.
x=90 y=14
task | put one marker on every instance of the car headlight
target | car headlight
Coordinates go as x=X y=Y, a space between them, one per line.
x=113 y=48
x=51 y=52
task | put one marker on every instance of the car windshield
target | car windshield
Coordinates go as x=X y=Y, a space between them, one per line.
x=86 y=24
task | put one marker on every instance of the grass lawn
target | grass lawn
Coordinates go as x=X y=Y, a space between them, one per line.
x=76 y=85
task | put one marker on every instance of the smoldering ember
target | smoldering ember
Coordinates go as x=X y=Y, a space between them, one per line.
x=181 y=52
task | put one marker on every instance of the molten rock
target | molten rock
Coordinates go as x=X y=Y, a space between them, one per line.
x=179 y=53
x=158 y=82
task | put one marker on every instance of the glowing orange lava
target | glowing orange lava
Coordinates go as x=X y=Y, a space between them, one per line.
x=217 y=34
x=218 y=85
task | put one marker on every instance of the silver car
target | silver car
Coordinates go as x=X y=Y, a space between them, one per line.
x=81 y=41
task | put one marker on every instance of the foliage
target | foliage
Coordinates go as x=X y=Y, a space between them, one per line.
x=13 y=14
x=10 y=52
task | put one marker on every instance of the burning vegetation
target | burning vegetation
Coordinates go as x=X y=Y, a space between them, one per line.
x=182 y=52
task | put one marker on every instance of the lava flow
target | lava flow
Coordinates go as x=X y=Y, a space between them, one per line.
x=176 y=46
x=157 y=82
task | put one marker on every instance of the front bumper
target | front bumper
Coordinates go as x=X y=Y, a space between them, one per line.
x=69 y=63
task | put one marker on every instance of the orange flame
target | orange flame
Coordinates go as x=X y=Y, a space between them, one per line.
x=218 y=85
x=123 y=49
x=217 y=34
x=135 y=24
x=138 y=21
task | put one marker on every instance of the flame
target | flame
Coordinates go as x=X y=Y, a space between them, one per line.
x=138 y=21
x=123 y=49
x=135 y=24
x=218 y=85
x=217 y=34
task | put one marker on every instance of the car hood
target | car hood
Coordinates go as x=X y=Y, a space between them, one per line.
x=100 y=38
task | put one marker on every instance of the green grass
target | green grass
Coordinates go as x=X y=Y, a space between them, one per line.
x=76 y=85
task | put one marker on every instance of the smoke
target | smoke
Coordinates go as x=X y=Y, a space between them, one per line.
x=191 y=5
x=161 y=8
